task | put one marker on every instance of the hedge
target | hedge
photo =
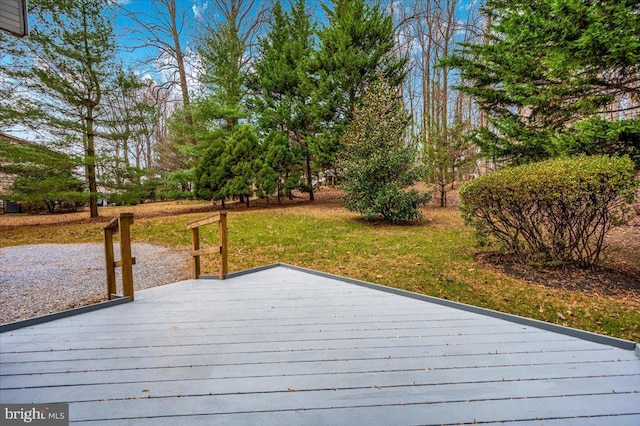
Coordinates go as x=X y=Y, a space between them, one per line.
x=555 y=211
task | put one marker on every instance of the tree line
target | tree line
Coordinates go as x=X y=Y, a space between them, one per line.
x=262 y=101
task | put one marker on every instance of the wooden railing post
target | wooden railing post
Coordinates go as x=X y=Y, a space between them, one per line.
x=124 y=222
x=196 y=251
x=222 y=234
x=195 y=245
x=109 y=262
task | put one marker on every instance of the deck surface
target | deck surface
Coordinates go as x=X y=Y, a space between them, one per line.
x=282 y=346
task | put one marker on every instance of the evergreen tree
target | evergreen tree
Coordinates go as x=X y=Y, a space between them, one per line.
x=42 y=177
x=224 y=74
x=213 y=171
x=228 y=166
x=226 y=55
x=284 y=80
x=356 y=45
x=377 y=162
x=64 y=66
x=277 y=173
x=557 y=77
x=244 y=154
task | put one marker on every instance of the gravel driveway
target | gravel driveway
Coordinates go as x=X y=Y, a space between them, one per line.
x=45 y=278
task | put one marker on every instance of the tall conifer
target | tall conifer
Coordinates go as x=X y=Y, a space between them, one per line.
x=284 y=80
x=63 y=66
x=556 y=77
x=356 y=46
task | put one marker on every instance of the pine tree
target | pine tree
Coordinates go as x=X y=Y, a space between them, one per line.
x=278 y=173
x=284 y=80
x=553 y=72
x=64 y=65
x=244 y=154
x=356 y=46
x=224 y=75
x=42 y=177
x=377 y=162
x=213 y=170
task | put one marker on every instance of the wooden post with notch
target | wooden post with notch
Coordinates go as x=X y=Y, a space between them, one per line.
x=123 y=223
x=222 y=235
x=195 y=247
x=109 y=260
x=196 y=251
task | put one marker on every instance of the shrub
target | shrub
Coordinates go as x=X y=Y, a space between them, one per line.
x=377 y=162
x=126 y=198
x=552 y=211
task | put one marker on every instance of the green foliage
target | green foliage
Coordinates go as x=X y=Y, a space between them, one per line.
x=177 y=150
x=547 y=71
x=604 y=137
x=42 y=177
x=213 y=171
x=277 y=173
x=244 y=154
x=448 y=156
x=126 y=198
x=63 y=99
x=229 y=165
x=285 y=83
x=377 y=162
x=552 y=211
x=356 y=47
x=175 y=185
x=225 y=73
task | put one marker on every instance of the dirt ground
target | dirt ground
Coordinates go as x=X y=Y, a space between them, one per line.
x=619 y=271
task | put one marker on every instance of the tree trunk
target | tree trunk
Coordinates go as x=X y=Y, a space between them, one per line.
x=309 y=177
x=175 y=33
x=278 y=192
x=90 y=159
x=443 y=195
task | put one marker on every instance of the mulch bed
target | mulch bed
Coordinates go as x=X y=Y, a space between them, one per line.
x=600 y=280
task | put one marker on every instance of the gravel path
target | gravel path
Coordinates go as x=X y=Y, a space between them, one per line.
x=45 y=278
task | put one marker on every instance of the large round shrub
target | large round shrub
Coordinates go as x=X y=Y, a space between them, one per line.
x=552 y=211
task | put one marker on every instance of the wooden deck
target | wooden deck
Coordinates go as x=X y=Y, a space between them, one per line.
x=284 y=346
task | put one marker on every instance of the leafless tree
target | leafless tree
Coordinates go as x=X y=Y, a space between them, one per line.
x=163 y=27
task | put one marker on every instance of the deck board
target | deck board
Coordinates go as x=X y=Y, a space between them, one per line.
x=283 y=346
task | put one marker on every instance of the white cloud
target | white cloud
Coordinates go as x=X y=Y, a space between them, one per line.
x=199 y=10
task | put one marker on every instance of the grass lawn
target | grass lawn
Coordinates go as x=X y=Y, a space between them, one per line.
x=434 y=257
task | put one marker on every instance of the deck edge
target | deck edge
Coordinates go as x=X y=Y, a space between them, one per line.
x=10 y=326
x=569 y=331
x=240 y=273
